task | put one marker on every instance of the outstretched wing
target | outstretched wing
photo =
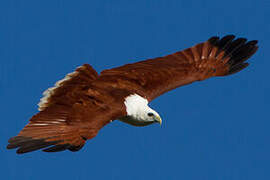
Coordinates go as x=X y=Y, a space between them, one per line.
x=215 y=57
x=66 y=90
x=71 y=113
x=59 y=128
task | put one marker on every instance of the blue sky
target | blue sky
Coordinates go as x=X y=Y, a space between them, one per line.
x=215 y=129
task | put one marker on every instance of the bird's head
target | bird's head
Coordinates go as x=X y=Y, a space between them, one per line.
x=139 y=113
x=146 y=114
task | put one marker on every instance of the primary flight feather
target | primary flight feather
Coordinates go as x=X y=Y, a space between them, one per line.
x=77 y=107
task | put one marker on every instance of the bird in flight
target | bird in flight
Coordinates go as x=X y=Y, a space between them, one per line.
x=78 y=106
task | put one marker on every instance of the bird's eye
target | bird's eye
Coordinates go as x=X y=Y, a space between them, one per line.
x=150 y=114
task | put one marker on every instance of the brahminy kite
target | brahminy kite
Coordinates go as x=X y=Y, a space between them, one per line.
x=78 y=106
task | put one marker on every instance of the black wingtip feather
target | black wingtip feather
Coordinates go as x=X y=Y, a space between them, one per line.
x=62 y=147
x=237 y=68
x=75 y=148
x=214 y=40
x=35 y=145
x=57 y=148
x=28 y=144
x=239 y=50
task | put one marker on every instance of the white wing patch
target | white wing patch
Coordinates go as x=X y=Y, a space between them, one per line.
x=50 y=91
x=39 y=124
x=48 y=123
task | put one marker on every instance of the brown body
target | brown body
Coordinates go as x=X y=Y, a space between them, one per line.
x=78 y=107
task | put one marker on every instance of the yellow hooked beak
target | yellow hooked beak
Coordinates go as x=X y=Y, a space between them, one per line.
x=158 y=119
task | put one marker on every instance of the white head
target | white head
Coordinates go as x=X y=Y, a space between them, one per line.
x=138 y=112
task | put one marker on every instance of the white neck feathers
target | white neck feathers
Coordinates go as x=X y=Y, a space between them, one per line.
x=135 y=104
x=138 y=111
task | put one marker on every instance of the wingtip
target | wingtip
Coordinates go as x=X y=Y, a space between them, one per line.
x=28 y=144
x=239 y=50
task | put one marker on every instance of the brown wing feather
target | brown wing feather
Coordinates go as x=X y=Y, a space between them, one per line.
x=48 y=128
x=60 y=128
x=78 y=106
x=67 y=87
x=153 y=77
x=74 y=112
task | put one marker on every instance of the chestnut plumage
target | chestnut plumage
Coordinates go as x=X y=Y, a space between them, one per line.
x=83 y=102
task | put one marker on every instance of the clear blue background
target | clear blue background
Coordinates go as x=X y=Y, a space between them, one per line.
x=215 y=129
